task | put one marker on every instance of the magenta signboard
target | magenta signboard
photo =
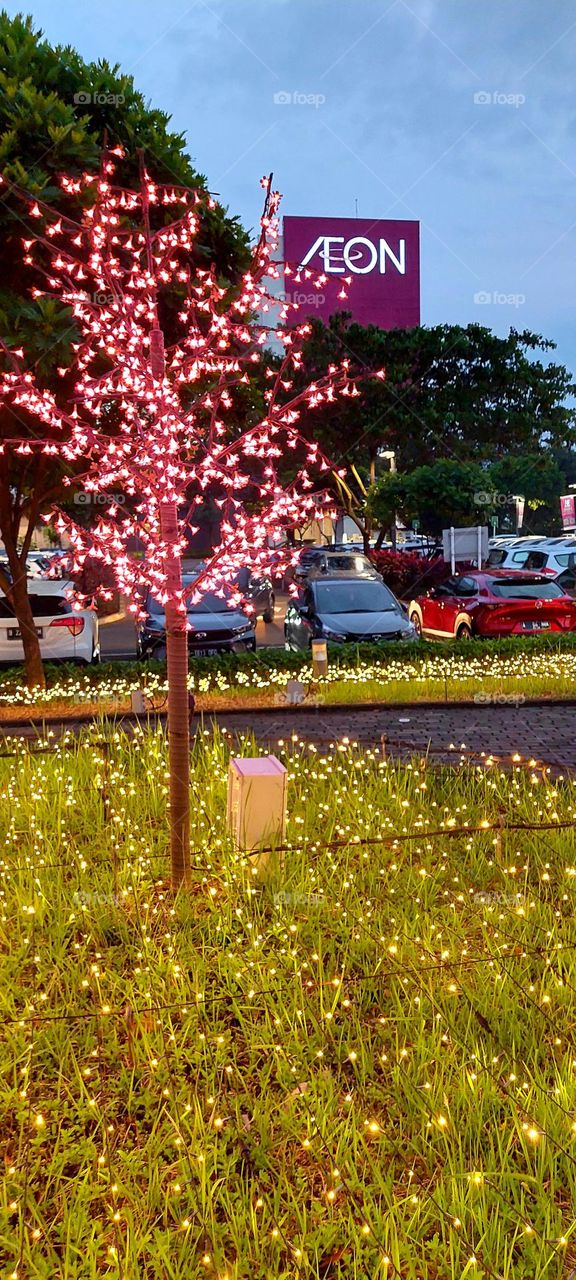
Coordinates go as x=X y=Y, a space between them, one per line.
x=568 y=510
x=381 y=259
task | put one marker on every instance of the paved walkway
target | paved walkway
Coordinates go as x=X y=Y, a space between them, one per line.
x=546 y=733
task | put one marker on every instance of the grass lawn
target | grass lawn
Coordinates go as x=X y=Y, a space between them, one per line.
x=477 y=671
x=365 y=1068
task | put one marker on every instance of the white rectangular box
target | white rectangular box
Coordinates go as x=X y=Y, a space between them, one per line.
x=257 y=789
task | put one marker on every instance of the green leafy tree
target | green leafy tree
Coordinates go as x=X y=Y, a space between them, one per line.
x=446 y=493
x=56 y=112
x=539 y=479
x=450 y=392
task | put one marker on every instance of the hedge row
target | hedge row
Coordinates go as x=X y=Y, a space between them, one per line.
x=235 y=664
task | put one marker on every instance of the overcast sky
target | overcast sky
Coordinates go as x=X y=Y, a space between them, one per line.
x=460 y=113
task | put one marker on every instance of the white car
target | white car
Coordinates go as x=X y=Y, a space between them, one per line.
x=34 y=568
x=65 y=633
x=543 y=555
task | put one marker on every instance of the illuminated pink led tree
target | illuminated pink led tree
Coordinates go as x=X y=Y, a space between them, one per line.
x=164 y=351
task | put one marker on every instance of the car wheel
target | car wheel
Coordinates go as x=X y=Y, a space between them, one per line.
x=417 y=624
x=464 y=632
x=268 y=615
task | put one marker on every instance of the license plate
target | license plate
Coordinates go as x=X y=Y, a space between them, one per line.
x=535 y=626
x=203 y=653
x=14 y=633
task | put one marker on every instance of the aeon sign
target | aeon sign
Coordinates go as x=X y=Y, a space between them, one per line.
x=382 y=258
x=359 y=255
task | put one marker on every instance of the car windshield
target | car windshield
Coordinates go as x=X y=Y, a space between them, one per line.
x=507 y=589
x=354 y=597
x=210 y=603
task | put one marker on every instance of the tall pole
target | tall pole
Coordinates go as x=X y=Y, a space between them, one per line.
x=176 y=629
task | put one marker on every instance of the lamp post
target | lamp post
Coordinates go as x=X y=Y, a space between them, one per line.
x=519 y=500
x=390 y=455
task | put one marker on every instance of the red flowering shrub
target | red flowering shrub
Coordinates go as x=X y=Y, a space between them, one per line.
x=408 y=574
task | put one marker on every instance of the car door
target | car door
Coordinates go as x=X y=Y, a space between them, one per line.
x=433 y=610
x=464 y=592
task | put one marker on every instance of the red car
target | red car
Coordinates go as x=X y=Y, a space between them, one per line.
x=493 y=602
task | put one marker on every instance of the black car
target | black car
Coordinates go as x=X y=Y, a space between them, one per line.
x=326 y=560
x=215 y=626
x=341 y=609
x=258 y=592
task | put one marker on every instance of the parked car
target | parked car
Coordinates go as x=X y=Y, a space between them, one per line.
x=258 y=592
x=33 y=568
x=65 y=633
x=324 y=560
x=215 y=626
x=343 y=608
x=542 y=555
x=493 y=603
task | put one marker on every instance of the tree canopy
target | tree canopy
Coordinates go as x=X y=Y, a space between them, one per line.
x=451 y=392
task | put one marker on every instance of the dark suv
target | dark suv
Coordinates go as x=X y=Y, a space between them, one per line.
x=215 y=626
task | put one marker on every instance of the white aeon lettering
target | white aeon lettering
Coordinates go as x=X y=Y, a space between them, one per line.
x=358 y=255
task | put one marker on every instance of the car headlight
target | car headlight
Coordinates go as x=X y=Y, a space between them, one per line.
x=243 y=631
x=327 y=634
x=410 y=633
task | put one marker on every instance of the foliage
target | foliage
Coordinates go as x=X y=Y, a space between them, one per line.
x=441 y=494
x=47 y=127
x=408 y=574
x=450 y=392
x=481 y=670
x=368 y=1057
x=467 y=493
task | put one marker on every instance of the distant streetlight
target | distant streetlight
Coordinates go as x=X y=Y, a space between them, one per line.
x=390 y=455
x=519 y=499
